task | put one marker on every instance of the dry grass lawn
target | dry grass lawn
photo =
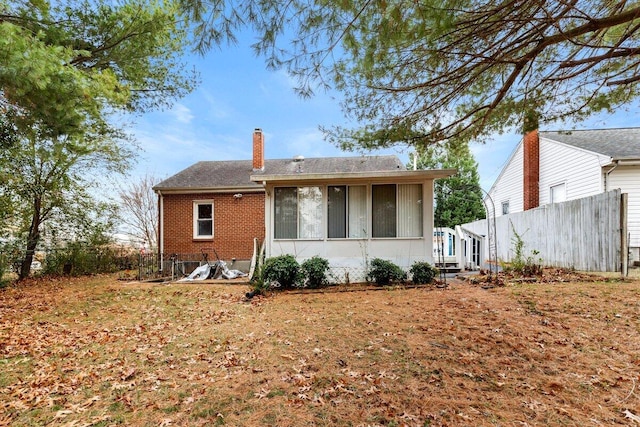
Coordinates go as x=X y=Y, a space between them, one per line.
x=98 y=352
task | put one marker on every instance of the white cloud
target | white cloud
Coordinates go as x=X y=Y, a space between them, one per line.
x=182 y=114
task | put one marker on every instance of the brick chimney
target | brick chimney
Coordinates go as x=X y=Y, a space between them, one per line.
x=531 y=166
x=258 y=150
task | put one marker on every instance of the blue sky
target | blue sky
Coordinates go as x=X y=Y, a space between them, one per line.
x=238 y=94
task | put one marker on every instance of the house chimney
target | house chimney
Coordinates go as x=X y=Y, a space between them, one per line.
x=258 y=150
x=531 y=169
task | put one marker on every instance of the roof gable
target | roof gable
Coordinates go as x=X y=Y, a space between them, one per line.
x=236 y=174
x=622 y=143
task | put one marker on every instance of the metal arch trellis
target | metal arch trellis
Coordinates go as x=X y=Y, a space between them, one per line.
x=491 y=233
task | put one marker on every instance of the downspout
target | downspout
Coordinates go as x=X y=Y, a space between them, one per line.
x=160 y=224
x=606 y=175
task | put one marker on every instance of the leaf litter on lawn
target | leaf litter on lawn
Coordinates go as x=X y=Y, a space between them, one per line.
x=95 y=351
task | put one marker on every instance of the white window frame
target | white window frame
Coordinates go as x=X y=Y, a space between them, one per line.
x=352 y=231
x=399 y=210
x=196 y=219
x=504 y=205
x=551 y=191
x=306 y=228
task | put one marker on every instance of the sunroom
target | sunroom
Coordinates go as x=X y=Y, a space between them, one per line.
x=351 y=218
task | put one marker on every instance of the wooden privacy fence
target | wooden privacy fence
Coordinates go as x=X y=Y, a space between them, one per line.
x=587 y=234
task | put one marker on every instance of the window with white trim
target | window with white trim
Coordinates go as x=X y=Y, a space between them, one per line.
x=558 y=193
x=297 y=213
x=203 y=219
x=505 y=208
x=346 y=211
x=396 y=210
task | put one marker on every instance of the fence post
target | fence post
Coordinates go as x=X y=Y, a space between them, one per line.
x=624 y=241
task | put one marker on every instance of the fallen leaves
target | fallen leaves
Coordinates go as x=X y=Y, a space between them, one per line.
x=83 y=353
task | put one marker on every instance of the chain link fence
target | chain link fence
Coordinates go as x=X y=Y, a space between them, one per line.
x=73 y=260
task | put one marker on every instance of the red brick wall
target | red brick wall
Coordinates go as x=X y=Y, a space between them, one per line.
x=531 y=149
x=236 y=222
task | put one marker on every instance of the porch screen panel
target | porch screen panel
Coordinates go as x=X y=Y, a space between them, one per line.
x=337 y=212
x=286 y=213
x=410 y=210
x=383 y=210
x=309 y=213
x=357 y=211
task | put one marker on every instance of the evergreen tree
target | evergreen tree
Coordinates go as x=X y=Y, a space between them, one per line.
x=458 y=199
x=66 y=67
x=419 y=72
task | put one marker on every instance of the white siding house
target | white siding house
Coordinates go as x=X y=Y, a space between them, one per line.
x=569 y=165
x=581 y=176
x=507 y=197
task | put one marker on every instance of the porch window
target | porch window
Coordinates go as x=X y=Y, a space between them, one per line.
x=347 y=211
x=396 y=210
x=298 y=213
x=203 y=219
x=409 y=210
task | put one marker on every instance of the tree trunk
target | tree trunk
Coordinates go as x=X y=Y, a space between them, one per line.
x=32 y=240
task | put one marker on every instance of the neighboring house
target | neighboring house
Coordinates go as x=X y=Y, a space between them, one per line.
x=550 y=167
x=345 y=209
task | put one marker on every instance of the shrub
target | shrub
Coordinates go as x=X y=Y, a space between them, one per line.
x=79 y=258
x=4 y=268
x=523 y=265
x=423 y=272
x=258 y=285
x=283 y=269
x=384 y=272
x=315 y=271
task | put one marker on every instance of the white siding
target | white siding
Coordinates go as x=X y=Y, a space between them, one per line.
x=349 y=258
x=508 y=186
x=579 y=170
x=627 y=179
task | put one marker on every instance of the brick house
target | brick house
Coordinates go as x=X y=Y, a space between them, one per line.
x=335 y=207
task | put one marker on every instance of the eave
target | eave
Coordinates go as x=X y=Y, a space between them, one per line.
x=376 y=177
x=199 y=190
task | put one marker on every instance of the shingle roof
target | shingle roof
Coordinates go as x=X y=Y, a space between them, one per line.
x=237 y=173
x=622 y=143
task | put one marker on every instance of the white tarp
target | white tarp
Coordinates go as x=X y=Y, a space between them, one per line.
x=200 y=273
x=206 y=271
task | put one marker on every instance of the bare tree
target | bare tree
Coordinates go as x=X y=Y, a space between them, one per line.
x=139 y=209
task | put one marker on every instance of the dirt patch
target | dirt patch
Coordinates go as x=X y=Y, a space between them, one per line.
x=100 y=352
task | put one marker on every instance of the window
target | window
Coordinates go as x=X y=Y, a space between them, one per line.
x=505 y=208
x=396 y=210
x=203 y=219
x=347 y=211
x=558 y=193
x=410 y=210
x=298 y=213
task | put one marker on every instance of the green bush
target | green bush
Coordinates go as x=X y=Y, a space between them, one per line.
x=78 y=258
x=315 y=271
x=384 y=272
x=4 y=269
x=522 y=265
x=283 y=269
x=423 y=272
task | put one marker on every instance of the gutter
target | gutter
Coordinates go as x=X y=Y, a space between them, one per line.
x=191 y=190
x=160 y=223
x=606 y=174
